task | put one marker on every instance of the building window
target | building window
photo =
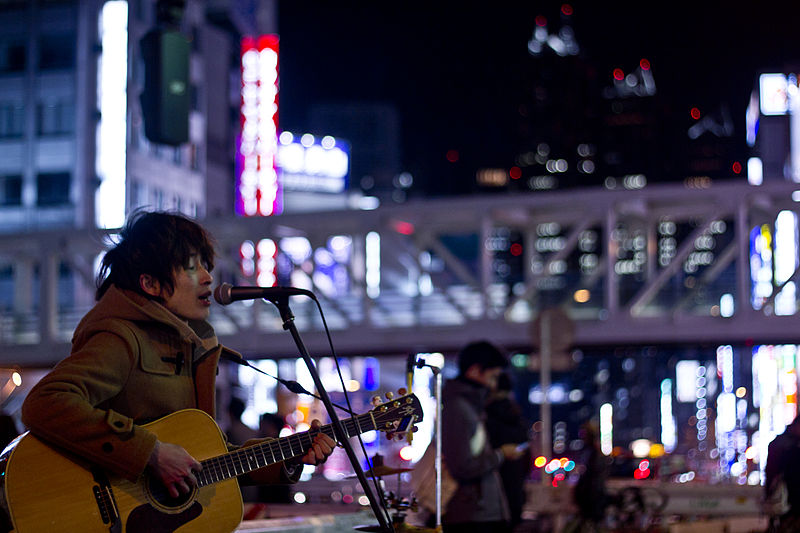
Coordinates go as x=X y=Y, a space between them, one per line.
x=57 y=52
x=55 y=118
x=12 y=55
x=12 y=120
x=52 y=188
x=10 y=190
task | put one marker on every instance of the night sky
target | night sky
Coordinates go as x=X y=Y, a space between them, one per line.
x=455 y=69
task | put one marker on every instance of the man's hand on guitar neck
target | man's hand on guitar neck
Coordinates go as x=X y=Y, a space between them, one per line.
x=174 y=467
x=321 y=447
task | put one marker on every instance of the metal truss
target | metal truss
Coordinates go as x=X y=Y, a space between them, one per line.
x=651 y=266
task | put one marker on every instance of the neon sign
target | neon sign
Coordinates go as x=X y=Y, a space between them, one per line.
x=257 y=189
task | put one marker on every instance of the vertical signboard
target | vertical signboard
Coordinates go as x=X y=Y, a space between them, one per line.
x=257 y=189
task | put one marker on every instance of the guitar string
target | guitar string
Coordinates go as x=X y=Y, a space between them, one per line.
x=225 y=466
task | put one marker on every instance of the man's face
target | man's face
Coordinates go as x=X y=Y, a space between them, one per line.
x=191 y=297
x=485 y=376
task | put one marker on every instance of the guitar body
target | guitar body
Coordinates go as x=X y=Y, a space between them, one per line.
x=49 y=490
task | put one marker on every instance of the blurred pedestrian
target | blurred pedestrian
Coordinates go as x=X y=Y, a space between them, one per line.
x=270 y=426
x=590 y=491
x=479 y=503
x=238 y=431
x=782 y=483
x=506 y=425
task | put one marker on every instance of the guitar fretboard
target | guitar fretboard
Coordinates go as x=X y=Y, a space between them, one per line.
x=244 y=460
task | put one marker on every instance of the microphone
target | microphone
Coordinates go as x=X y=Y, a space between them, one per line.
x=226 y=293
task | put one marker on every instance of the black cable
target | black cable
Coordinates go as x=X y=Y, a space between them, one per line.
x=293 y=386
x=378 y=489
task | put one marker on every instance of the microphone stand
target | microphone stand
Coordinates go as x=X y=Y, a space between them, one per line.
x=437 y=462
x=282 y=303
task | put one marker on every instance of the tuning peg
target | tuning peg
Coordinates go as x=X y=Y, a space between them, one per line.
x=389 y=395
x=402 y=391
x=376 y=400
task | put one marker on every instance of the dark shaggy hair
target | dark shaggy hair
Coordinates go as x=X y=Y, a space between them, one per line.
x=156 y=244
x=483 y=353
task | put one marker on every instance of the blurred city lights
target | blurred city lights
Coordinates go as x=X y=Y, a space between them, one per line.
x=257 y=188
x=406 y=453
x=373 y=264
x=606 y=428
x=755 y=172
x=112 y=108
x=640 y=447
x=582 y=296
x=311 y=164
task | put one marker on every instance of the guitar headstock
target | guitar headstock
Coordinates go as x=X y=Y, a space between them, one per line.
x=397 y=416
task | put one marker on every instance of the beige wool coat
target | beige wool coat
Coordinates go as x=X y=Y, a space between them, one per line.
x=132 y=362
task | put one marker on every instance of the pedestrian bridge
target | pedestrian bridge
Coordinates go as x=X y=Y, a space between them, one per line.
x=664 y=264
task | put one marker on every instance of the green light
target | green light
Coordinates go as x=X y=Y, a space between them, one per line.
x=519 y=360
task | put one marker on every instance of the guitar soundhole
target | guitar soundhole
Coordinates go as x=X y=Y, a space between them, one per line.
x=161 y=498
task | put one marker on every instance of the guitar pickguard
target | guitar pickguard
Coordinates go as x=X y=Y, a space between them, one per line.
x=147 y=518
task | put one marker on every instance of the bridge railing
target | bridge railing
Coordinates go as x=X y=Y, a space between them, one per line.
x=663 y=264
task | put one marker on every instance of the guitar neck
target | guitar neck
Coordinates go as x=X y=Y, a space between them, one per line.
x=268 y=452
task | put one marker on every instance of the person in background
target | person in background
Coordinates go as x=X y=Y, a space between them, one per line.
x=590 y=491
x=506 y=425
x=238 y=431
x=144 y=351
x=782 y=479
x=479 y=503
x=270 y=426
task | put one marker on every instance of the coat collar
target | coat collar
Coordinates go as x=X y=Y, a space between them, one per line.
x=124 y=304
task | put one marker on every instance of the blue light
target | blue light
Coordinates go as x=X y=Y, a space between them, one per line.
x=371 y=373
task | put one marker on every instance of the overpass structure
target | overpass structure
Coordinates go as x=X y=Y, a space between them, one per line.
x=664 y=264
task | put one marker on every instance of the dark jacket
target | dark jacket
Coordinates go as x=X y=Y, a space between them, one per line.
x=469 y=456
x=132 y=362
x=506 y=425
x=783 y=463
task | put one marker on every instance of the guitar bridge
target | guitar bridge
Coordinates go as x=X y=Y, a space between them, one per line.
x=105 y=501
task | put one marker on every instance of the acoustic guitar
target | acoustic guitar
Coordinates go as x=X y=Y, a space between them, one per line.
x=45 y=489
